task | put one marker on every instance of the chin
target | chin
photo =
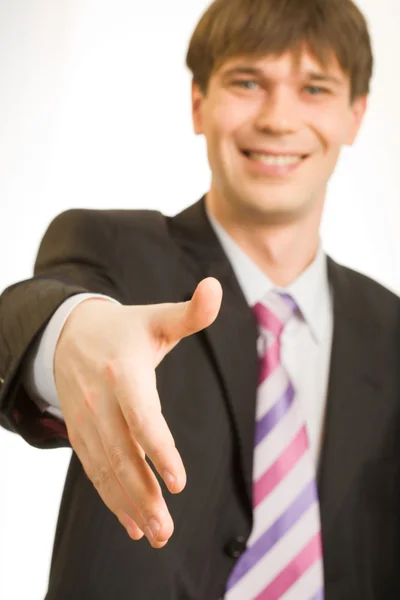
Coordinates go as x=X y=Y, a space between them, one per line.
x=272 y=212
x=268 y=207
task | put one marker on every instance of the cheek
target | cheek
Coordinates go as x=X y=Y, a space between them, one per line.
x=229 y=119
x=215 y=135
x=220 y=128
x=220 y=139
x=331 y=127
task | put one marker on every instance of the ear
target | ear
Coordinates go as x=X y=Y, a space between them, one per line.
x=197 y=105
x=358 y=109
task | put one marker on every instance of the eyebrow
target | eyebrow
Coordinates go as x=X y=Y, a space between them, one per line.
x=312 y=75
x=323 y=77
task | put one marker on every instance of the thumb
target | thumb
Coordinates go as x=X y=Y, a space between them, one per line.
x=176 y=321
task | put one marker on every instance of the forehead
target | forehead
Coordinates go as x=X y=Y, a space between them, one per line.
x=287 y=65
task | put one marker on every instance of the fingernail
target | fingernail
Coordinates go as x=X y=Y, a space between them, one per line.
x=148 y=533
x=154 y=526
x=129 y=529
x=170 y=479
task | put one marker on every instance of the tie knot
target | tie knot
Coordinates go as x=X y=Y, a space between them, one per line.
x=274 y=311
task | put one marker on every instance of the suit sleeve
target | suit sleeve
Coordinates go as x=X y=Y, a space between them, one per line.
x=76 y=255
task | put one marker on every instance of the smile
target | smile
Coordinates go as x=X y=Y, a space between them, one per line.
x=273 y=159
x=274 y=164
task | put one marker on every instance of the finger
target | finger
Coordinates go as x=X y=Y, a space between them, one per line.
x=100 y=472
x=136 y=392
x=127 y=460
x=88 y=447
x=131 y=527
x=176 y=321
x=126 y=521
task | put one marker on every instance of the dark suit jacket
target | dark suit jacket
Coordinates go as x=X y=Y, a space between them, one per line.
x=207 y=386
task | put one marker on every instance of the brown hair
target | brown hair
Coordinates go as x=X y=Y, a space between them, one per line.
x=258 y=28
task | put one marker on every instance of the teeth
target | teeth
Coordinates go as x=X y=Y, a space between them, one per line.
x=281 y=160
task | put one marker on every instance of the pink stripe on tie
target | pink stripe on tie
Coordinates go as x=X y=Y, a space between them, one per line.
x=269 y=362
x=294 y=570
x=267 y=319
x=281 y=439
x=281 y=467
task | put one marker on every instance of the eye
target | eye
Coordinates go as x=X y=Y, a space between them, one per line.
x=245 y=83
x=316 y=91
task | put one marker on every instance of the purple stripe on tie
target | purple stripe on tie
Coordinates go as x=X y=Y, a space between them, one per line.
x=287 y=298
x=271 y=536
x=274 y=415
x=319 y=596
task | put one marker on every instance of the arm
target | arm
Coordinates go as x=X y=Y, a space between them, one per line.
x=73 y=258
x=105 y=368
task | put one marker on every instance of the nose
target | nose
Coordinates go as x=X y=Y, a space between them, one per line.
x=279 y=114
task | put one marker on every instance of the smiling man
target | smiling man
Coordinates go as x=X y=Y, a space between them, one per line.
x=290 y=123
x=268 y=414
x=275 y=126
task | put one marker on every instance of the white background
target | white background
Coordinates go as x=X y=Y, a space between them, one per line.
x=95 y=112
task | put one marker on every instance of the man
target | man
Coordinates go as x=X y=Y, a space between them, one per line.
x=278 y=401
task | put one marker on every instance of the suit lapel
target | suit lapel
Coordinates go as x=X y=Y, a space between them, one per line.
x=232 y=338
x=356 y=376
x=356 y=371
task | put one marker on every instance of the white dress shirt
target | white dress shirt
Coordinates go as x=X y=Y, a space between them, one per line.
x=305 y=343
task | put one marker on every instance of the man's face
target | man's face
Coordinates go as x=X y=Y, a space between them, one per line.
x=274 y=133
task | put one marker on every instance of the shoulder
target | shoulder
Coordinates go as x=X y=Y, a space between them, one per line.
x=83 y=218
x=103 y=229
x=371 y=297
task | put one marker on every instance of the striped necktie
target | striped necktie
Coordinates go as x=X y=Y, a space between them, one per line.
x=283 y=558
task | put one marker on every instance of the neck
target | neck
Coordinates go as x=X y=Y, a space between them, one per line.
x=282 y=250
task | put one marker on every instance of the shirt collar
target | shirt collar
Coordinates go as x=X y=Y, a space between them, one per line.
x=310 y=290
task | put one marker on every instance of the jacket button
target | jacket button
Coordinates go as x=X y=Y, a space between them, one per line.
x=236 y=547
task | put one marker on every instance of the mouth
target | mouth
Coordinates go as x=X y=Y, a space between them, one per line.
x=274 y=164
x=273 y=158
